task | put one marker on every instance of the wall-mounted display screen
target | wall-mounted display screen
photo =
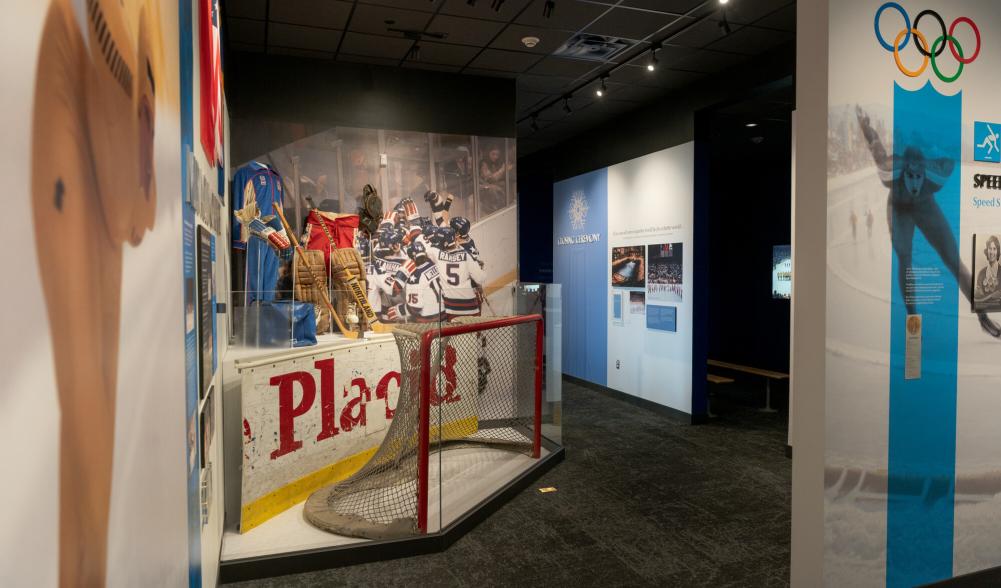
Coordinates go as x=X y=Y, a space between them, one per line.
x=782 y=271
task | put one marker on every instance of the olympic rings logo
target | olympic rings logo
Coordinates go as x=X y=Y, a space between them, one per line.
x=928 y=53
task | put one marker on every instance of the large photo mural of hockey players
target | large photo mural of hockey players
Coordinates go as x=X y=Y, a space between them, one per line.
x=431 y=216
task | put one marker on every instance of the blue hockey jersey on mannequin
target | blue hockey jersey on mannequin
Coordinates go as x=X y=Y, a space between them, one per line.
x=263 y=184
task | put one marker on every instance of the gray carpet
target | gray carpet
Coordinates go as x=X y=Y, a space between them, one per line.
x=642 y=501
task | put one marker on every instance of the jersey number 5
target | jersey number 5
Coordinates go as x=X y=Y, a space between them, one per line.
x=453 y=278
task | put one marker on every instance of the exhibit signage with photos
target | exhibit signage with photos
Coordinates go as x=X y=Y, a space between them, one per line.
x=912 y=399
x=986 y=287
x=665 y=278
x=628 y=290
x=782 y=271
x=628 y=267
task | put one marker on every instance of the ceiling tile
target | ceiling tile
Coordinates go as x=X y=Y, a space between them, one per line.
x=632 y=92
x=631 y=24
x=549 y=40
x=504 y=60
x=342 y=56
x=246 y=8
x=308 y=53
x=389 y=47
x=526 y=100
x=569 y=15
x=545 y=84
x=465 y=31
x=559 y=66
x=490 y=73
x=317 y=13
x=751 y=40
x=672 y=6
x=710 y=61
x=372 y=20
x=744 y=12
x=298 y=37
x=431 y=66
x=702 y=33
x=482 y=9
x=244 y=30
x=446 y=54
x=783 y=19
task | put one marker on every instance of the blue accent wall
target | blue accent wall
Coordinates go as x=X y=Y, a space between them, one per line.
x=581 y=270
x=922 y=432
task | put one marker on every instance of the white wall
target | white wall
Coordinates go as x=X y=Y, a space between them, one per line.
x=650 y=202
x=809 y=288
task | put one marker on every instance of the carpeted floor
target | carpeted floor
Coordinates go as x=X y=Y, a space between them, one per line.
x=642 y=501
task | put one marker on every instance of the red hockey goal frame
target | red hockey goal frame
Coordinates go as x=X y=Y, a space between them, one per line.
x=424 y=432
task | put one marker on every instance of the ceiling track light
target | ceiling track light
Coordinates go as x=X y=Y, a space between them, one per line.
x=547 y=9
x=724 y=2
x=496 y=5
x=566 y=105
x=653 y=58
x=471 y=2
x=535 y=123
x=601 y=90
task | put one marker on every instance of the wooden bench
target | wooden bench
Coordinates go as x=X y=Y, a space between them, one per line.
x=769 y=375
x=714 y=379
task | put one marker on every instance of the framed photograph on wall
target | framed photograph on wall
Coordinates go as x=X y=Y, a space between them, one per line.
x=986 y=263
x=628 y=267
x=665 y=272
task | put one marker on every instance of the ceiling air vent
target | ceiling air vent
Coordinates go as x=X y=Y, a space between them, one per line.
x=593 y=47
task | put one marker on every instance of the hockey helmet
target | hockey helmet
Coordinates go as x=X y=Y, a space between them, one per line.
x=460 y=225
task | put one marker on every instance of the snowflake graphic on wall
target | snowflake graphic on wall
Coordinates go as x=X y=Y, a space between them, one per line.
x=578 y=210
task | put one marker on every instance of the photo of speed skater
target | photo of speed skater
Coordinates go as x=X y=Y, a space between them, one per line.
x=629 y=267
x=914 y=177
x=665 y=278
x=986 y=287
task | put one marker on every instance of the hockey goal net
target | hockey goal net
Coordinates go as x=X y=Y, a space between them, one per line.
x=473 y=382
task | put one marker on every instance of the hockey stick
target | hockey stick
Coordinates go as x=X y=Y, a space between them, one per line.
x=323 y=291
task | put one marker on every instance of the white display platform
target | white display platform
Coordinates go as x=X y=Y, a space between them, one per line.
x=471 y=475
x=244 y=355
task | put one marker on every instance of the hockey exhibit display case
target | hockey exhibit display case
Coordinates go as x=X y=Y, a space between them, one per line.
x=387 y=445
x=388 y=383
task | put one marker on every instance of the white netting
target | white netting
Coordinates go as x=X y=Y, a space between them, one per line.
x=482 y=392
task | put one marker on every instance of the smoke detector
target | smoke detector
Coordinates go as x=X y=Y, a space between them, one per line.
x=530 y=41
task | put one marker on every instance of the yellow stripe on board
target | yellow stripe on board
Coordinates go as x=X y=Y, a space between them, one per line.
x=284 y=498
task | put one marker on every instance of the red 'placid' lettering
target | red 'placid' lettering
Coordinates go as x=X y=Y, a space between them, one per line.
x=382 y=391
x=451 y=379
x=349 y=420
x=288 y=411
x=327 y=405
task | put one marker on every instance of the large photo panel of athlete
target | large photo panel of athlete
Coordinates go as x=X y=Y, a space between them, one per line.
x=432 y=216
x=912 y=354
x=94 y=128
